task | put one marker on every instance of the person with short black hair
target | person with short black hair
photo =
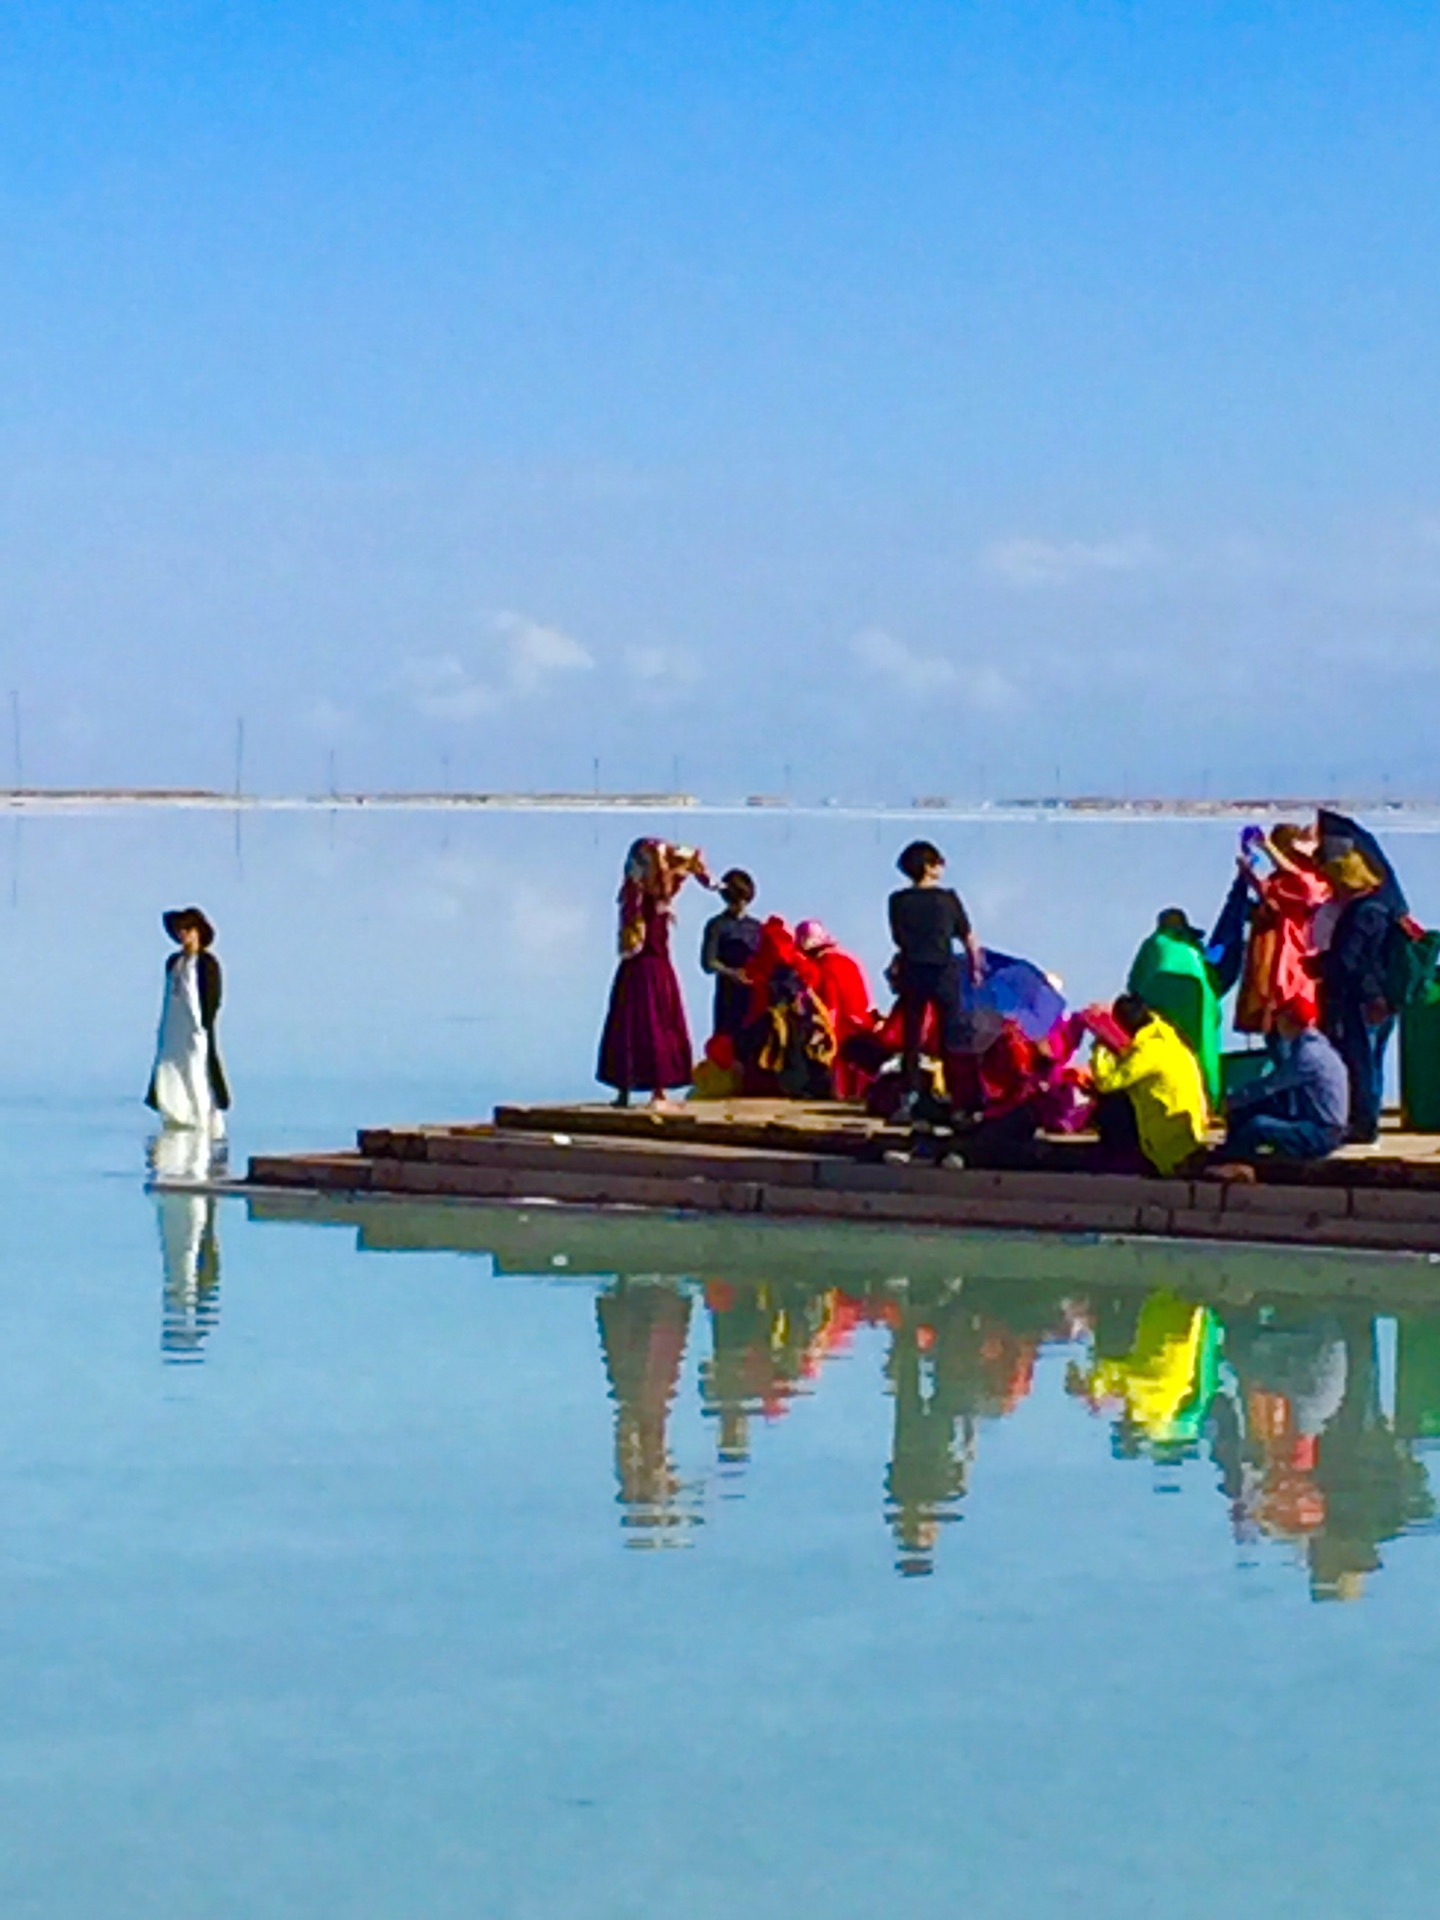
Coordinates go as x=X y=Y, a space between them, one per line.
x=730 y=942
x=927 y=923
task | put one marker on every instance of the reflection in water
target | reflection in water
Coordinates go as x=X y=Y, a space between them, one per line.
x=1156 y=1363
x=1283 y=1401
x=186 y=1156
x=931 y=1374
x=643 y=1328
x=767 y=1343
x=190 y=1251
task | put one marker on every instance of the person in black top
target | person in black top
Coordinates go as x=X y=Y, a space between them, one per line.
x=730 y=943
x=927 y=922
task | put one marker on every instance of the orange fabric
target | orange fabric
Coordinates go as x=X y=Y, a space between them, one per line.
x=1281 y=945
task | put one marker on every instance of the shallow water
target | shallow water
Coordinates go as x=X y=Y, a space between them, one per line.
x=466 y=1563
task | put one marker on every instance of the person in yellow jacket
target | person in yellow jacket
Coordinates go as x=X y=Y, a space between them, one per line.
x=1160 y=1077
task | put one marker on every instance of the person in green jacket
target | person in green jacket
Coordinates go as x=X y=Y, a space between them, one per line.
x=1172 y=976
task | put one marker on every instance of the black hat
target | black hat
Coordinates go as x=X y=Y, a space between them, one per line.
x=178 y=918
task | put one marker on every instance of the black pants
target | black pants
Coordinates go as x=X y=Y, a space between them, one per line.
x=923 y=986
x=1120 y=1150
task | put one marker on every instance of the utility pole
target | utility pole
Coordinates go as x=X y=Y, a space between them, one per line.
x=332 y=773
x=597 y=775
x=15 y=729
x=239 y=758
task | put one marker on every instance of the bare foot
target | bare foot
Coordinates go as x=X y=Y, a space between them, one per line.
x=1235 y=1173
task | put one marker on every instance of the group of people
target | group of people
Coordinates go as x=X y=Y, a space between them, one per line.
x=787 y=1002
x=980 y=1055
x=1317 y=940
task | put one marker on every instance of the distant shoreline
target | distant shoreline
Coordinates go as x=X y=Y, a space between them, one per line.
x=1098 y=807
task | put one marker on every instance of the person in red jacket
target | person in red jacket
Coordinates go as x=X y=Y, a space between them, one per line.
x=842 y=985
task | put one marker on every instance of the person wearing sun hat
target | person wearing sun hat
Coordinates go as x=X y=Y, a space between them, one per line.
x=188 y=1088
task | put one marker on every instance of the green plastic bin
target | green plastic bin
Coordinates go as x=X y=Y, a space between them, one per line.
x=1239 y=1067
x=1420 y=1063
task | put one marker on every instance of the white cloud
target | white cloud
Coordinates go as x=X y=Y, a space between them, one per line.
x=990 y=690
x=661 y=673
x=330 y=720
x=902 y=665
x=1028 y=562
x=443 y=688
x=526 y=659
x=537 y=653
x=923 y=676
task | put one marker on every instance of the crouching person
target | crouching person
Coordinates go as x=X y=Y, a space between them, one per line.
x=1152 y=1113
x=1300 y=1110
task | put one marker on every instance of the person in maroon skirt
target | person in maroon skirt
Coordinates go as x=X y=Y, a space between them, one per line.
x=645 y=1047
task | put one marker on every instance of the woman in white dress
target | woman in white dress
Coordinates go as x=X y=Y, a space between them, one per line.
x=188 y=1087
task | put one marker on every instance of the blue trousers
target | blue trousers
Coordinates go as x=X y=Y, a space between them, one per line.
x=1258 y=1133
x=1362 y=1048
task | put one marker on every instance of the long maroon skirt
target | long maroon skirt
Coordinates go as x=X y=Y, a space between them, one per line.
x=646 y=1043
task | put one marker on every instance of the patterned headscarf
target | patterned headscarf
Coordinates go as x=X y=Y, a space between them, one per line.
x=654 y=870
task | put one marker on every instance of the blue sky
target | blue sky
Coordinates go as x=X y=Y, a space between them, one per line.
x=922 y=399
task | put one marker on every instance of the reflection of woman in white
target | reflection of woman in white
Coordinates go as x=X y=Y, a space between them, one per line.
x=188 y=1088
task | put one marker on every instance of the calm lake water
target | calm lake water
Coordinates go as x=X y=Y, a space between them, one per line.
x=432 y=1561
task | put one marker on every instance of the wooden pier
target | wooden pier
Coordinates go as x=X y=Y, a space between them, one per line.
x=780 y=1160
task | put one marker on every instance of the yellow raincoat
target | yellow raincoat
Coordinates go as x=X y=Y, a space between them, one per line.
x=1162 y=1077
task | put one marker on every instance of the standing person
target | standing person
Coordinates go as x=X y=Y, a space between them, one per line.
x=187 y=1086
x=1356 y=1013
x=1278 y=971
x=729 y=944
x=645 y=1047
x=1172 y=974
x=842 y=985
x=927 y=920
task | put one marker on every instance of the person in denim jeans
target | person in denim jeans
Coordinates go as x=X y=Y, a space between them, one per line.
x=1298 y=1111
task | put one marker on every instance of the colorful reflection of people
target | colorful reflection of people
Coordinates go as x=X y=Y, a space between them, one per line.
x=952 y=1363
x=1156 y=1376
x=1372 y=1485
x=768 y=1341
x=933 y=1437
x=1289 y=1368
x=643 y=1328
